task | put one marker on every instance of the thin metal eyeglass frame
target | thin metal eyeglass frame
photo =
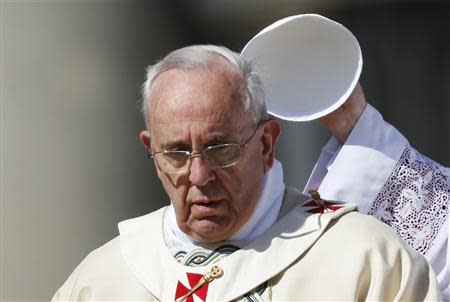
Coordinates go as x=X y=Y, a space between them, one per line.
x=191 y=155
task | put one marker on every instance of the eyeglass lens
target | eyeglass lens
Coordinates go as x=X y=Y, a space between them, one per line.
x=217 y=156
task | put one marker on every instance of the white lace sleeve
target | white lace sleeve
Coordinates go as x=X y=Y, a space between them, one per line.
x=414 y=201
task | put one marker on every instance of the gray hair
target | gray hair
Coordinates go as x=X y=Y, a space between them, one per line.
x=198 y=56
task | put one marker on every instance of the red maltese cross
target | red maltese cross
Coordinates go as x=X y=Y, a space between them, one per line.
x=193 y=280
x=323 y=207
x=318 y=205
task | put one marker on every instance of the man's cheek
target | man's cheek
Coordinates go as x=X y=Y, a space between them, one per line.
x=177 y=189
x=160 y=174
x=172 y=181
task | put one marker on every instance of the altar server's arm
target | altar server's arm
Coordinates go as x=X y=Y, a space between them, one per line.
x=378 y=169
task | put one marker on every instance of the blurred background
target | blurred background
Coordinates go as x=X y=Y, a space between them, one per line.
x=72 y=166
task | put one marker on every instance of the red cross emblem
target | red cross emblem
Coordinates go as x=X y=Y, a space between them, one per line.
x=318 y=205
x=193 y=280
x=321 y=206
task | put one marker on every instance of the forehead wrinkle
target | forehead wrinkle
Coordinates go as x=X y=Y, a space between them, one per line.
x=197 y=112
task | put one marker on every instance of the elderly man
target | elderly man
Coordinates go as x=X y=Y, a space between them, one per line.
x=232 y=230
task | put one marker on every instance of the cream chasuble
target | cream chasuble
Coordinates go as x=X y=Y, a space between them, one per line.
x=315 y=251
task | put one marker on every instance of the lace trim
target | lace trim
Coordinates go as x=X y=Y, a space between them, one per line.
x=414 y=200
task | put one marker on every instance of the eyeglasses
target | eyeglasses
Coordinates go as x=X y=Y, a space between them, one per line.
x=217 y=156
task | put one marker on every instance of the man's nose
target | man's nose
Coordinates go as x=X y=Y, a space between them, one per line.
x=200 y=173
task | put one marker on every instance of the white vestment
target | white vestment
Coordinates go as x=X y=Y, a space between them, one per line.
x=378 y=170
x=314 y=251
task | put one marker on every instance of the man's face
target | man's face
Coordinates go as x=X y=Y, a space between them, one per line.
x=192 y=110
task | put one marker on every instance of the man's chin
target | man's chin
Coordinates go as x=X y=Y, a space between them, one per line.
x=210 y=230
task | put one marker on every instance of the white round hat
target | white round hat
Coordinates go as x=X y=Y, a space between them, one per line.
x=309 y=65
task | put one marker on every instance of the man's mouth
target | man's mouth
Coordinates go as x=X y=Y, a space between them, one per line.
x=206 y=208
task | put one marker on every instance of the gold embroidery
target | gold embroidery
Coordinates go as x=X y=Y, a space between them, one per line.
x=270 y=285
x=314 y=194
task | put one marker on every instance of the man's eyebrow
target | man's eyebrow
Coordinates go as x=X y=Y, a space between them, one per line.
x=219 y=139
x=174 y=145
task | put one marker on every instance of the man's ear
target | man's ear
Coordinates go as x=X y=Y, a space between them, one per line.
x=271 y=132
x=144 y=137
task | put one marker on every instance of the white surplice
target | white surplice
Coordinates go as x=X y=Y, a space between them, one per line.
x=378 y=170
